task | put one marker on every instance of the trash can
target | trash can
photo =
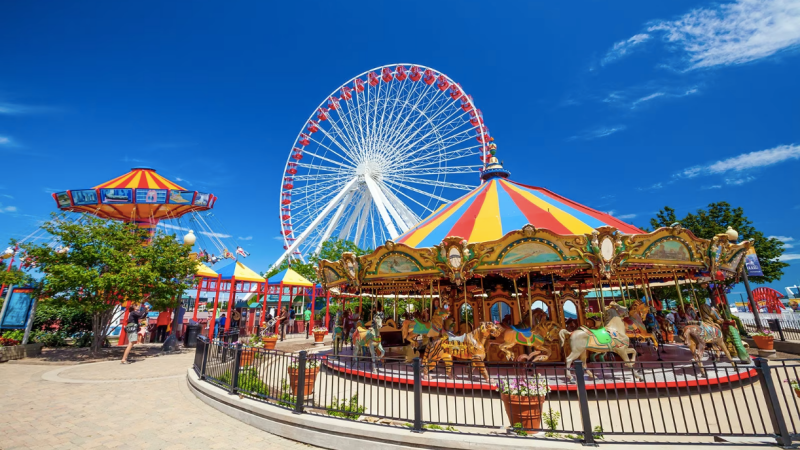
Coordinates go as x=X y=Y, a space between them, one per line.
x=190 y=338
x=300 y=326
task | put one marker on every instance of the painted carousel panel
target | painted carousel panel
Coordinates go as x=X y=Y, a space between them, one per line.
x=397 y=264
x=530 y=253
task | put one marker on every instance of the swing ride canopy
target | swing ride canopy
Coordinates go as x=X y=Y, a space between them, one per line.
x=508 y=229
x=141 y=196
x=205 y=271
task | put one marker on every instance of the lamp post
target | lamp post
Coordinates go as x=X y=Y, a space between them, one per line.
x=733 y=236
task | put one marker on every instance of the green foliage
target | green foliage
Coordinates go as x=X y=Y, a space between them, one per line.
x=70 y=320
x=50 y=338
x=350 y=410
x=17 y=335
x=597 y=432
x=286 y=398
x=331 y=250
x=517 y=429
x=433 y=426
x=250 y=382
x=14 y=276
x=84 y=340
x=107 y=265
x=706 y=223
x=551 y=419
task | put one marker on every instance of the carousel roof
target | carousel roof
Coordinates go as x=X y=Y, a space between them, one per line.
x=241 y=272
x=499 y=206
x=205 y=271
x=140 y=178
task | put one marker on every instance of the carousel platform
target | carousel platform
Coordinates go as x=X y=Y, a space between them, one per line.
x=676 y=370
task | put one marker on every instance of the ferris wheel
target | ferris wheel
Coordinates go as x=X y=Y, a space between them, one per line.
x=382 y=152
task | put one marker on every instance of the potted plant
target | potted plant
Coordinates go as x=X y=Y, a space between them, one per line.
x=795 y=385
x=764 y=339
x=312 y=369
x=319 y=334
x=269 y=341
x=523 y=399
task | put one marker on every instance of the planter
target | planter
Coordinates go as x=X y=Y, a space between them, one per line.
x=269 y=342
x=524 y=410
x=797 y=393
x=764 y=342
x=247 y=357
x=319 y=336
x=20 y=351
x=311 y=379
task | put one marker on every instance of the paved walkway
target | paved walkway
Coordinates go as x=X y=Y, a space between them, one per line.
x=144 y=405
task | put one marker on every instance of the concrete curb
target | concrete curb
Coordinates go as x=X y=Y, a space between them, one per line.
x=348 y=435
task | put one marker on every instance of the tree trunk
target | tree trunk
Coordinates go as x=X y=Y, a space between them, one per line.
x=100 y=322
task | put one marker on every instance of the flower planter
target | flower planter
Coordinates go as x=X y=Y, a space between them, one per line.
x=797 y=393
x=269 y=342
x=311 y=379
x=247 y=357
x=524 y=410
x=764 y=342
x=8 y=353
x=319 y=336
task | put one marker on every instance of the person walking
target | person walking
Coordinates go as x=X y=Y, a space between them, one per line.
x=291 y=320
x=307 y=320
x=282 y=322
x=132 y=328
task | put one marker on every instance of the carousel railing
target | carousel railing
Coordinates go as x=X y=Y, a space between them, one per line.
x=671 y=399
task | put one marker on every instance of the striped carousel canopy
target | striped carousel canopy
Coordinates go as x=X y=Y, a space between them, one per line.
x=140 y=178
x=499 y=206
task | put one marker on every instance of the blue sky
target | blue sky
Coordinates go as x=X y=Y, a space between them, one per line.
x=622 y=106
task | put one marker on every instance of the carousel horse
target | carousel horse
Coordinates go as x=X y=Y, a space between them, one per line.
x=369 y=339
x=538 y=338
x=471 y=346
x=634 y=323
x=698 y=336
x=338 y=333
x=612 y=338
x=414 y=328
x=349 y=323
x=732 y=340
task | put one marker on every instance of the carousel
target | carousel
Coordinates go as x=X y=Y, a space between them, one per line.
x=515 y=273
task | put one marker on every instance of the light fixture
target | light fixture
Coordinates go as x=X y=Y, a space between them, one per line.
x=189 y=239
x=732 y=234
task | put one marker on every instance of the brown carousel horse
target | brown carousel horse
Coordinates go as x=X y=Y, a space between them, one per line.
x=698 y=336
x=414 y=328
x=612 y=338
x=539 y=337
x=634 y=323
x=471 y=346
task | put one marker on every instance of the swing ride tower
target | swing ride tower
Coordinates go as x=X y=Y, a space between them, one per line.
x=140 y=196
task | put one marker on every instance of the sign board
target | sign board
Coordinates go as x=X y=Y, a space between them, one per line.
x=84 y=197
x=116 y=196
x=181 y=197
x=63 y=200
x=202 y=199
x=18 y=309
x=752 y=265
x=151 y=196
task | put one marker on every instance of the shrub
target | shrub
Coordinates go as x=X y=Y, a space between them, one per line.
x=8 y=342
x=551 y=419
x=350 y=410
x=84 y=340
x=249 y=381
x=518 y=430
x=51 y=339
x=16 y=335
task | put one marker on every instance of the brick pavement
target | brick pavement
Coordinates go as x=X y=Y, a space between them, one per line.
x=145 y=405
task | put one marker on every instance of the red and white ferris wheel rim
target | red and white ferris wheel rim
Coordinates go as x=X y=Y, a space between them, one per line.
x=346 y=132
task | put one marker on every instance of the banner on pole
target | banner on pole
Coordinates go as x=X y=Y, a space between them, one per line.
x=18 y=309
x=752 y=265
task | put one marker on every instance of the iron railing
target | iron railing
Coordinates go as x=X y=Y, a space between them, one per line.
x=784 y=329
x=675 y=399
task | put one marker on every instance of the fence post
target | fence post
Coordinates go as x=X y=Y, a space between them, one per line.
x=417 y=397
x=780 y=329
x=206 y=349
x=782 y=435
x=301 y=383
x=237 y=363
x=588 y=437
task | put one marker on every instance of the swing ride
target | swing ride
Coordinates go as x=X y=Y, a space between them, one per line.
x=494 y=254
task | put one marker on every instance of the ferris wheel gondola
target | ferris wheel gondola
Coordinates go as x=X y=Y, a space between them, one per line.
x=384 y=150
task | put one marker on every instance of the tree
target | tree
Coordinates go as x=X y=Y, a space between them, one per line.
x=106 y=265
x=706 y=223
x=332 y=250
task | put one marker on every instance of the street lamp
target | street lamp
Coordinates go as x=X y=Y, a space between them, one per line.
x=732 y=234
x=189 y=239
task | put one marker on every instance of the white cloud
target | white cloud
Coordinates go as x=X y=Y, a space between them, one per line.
x=278 y=238
x=610 y=213
x=647 y=98
x=13 y=109
x=623 y=48
x=714 y=186
x=8 y=196
x=172 y=227
x=6 y=209
x=733 y=33
x=789 y=257
x=739 y=181
x=785 y=240
x=653 y=187
x=744 y=162
x=598 y=133
x=626 y=216
x=248 y=238
x=181 y=180
x=216 y=235
x=4 y=140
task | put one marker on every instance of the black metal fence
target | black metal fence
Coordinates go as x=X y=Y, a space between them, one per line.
x=784 y=329
x=603 y=401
